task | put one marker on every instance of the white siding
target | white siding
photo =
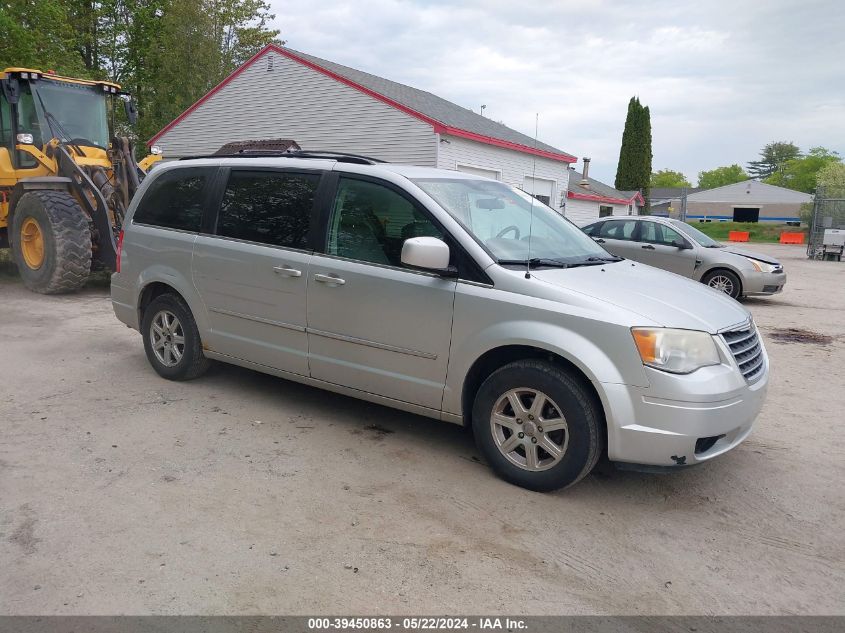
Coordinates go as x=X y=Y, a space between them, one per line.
x=583 y=212
x=750 y=193
x=512 y=165
x=295 y=102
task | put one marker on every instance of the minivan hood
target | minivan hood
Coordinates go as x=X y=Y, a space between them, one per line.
x=660 y=296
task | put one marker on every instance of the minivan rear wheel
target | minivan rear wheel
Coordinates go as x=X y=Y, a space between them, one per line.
x=537 y=425
x=171 y=339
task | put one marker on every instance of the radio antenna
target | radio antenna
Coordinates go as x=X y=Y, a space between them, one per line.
x=533 y=198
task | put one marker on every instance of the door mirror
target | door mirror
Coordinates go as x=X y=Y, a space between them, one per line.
x=682 y=244
x=428 y=253
x=131 y=111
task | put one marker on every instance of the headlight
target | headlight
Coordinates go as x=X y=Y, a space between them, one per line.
x=675 y=351
x=761 y=267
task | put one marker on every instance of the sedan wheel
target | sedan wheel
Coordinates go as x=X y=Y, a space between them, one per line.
x=724 y=281
x=529 y=429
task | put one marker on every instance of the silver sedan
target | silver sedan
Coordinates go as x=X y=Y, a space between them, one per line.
x=681 y=248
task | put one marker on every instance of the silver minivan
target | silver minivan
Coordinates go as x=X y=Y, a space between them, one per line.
x=440 y=293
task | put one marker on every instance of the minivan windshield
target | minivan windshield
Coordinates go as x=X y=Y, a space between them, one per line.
x=513 y=226
x=705 y=240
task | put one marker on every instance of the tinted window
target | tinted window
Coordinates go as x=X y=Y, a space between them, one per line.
x=650 y=232
x=592 y=229
x=268 y=207
x=618 y=229
x=371 y=222
x=175 y=199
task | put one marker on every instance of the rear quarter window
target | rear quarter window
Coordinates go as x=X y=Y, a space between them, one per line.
x=175 y=200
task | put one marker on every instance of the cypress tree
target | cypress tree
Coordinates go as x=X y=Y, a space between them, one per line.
x=634 y=169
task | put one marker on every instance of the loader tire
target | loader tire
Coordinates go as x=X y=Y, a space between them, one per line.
x=51 y=242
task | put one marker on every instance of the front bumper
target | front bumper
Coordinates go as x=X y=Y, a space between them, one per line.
x=682 y=420
x=756 y=284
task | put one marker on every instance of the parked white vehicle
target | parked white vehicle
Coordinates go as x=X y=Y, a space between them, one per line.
x=440 y=293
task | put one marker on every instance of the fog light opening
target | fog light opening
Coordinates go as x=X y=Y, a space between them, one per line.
x=704 y=444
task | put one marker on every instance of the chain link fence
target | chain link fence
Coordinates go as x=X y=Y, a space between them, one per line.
x=828 y=213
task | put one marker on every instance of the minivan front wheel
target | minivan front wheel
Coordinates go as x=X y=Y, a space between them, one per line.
x=172 y=340
x=537 y=425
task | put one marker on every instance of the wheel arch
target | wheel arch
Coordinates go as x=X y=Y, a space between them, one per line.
x=156 y=283
x=498 y=357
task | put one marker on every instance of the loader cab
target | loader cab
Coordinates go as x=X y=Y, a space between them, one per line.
x=37 y=107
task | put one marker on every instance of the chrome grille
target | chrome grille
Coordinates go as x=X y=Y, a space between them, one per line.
x=747 y=351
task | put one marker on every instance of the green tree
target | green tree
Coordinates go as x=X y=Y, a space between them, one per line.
x=38 y=34
x=773 y=158
x=666 y=178
x=721 y=176
x=831 y=178
x=634 y=168
x=800 y=174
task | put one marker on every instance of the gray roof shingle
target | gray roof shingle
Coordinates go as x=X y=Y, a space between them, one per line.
x=427 y=104
x=596 y=188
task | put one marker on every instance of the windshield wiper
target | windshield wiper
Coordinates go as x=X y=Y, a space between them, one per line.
x=534 y=262
x=596 y=261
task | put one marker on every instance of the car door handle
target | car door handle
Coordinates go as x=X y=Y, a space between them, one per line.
x=331 y=280
x=647 y=247
x=287 y=271
x=599 y=241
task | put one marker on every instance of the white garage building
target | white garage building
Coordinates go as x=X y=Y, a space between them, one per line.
x=282 y=93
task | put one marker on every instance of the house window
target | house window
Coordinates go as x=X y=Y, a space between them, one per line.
x=605 y=211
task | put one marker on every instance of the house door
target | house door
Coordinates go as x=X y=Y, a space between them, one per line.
x=746 y=214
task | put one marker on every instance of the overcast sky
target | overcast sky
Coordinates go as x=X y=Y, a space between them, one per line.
x=722 y=78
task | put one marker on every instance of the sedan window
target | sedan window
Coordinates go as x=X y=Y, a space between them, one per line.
x=618 y=229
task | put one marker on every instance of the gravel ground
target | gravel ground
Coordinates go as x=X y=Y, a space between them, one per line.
x=122 y=493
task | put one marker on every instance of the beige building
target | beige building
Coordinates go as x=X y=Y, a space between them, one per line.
x=748 y=201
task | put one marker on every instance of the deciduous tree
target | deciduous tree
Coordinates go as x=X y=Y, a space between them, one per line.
x=721 y=176
x=666 y=178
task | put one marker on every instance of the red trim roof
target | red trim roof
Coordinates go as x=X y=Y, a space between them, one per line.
x=438 y=127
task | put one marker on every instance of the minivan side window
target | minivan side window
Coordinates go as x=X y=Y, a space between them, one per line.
x=268 y=207
x=175 y=199
x=370 y=223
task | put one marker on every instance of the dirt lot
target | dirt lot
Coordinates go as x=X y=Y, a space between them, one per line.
x=240 y=493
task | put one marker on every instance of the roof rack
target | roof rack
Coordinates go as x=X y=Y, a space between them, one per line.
x=341 y=157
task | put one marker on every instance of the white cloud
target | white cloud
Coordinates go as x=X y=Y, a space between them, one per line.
x=721 y=78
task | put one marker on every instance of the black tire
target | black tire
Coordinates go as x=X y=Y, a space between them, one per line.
x=192 y=362
x=66 y=238
x=577 y=406
x=733 y=280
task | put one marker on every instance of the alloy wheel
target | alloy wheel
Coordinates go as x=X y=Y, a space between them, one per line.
x=722 y=284
x=529 y=429
x=167 y=338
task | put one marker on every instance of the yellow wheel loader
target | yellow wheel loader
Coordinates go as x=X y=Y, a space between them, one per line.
x=65 y=183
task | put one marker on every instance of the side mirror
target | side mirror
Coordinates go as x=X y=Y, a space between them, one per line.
x=131 y=111
x=682 y=244
x=428 y=253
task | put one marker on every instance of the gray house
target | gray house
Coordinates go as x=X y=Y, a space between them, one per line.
x=322 y=105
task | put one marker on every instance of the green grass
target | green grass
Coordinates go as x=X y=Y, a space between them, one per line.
x=758 y=231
